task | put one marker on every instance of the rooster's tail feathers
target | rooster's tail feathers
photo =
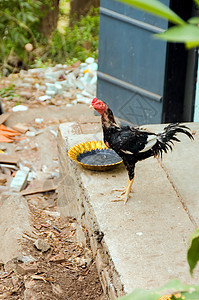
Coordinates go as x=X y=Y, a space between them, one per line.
x=165 y=140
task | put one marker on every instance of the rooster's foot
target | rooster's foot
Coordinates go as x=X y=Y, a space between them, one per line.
x=123 y=191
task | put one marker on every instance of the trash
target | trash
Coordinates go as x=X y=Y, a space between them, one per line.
x=39 y=120
x=44 y=98
x=41 y=245
x=20 y=108
x=19 y=182
x=90 y=60
x=20 y=127
x=7 y=135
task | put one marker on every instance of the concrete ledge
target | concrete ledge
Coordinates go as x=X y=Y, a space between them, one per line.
x=145 y=242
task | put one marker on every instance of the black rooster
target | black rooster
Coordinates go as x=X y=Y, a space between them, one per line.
x=133 y=144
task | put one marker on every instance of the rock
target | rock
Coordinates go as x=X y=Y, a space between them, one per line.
x=14 y=220
x=44 y=98
x=26 y=94
x=42 y=245
x=25 y=259
x=39 y=120
x=20 y=108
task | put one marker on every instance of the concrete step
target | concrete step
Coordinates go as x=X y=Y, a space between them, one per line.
x=145 y=242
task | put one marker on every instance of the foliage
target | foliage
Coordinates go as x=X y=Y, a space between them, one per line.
x=20 y=21
x=8 y=92
x=183 y=32
x=193 y=251
x=78 y=41
x=175 y=288
x=19 y=26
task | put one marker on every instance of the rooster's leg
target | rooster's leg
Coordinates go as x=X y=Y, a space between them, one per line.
x=125 y=192
x=128 y=189
x=122 y=190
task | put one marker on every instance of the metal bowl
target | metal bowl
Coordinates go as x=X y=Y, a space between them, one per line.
x=94 y=155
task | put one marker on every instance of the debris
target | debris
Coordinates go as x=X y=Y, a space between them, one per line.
x=90 y=60
x=4 y=117
x=9 y=159
x=20 y=128
x=56 y=289
x=40 y=187
x=39 y=120
x=52 y=213
x=25 y=268
x=19 y=108
x=38 y=277
x=19 y=182
x=44 y=98
x=30 y=133
x=25 y=259
x=53 y=132
x=7 y=135
x=3 y=179
x=42 y=245
x=9 y=166
x=58 y=258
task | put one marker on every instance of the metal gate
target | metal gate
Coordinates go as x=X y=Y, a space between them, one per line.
x=131 y=62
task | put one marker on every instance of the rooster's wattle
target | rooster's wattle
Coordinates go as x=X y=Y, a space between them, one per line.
x=134 y=144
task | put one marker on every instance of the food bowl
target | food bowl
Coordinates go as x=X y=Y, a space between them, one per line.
x=94 y=155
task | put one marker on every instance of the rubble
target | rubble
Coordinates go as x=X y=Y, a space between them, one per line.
x=58 y=85
x=19 y=182
x=41 y=245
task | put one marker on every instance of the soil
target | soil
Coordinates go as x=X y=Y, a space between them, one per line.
x=72 y=274
x=66 y=270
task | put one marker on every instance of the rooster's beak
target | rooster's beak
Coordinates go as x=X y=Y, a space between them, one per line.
x=91 y=106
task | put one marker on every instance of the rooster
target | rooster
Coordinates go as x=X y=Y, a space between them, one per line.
x=134 y=144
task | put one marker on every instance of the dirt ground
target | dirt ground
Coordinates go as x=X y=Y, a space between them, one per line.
x=65 y=270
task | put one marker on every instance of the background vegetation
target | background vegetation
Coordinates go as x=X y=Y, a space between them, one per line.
x=26 y=40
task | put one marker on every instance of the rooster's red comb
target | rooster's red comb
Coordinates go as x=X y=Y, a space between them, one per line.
x=94 y=100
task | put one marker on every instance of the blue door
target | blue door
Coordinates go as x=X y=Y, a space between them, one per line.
x=131 y=62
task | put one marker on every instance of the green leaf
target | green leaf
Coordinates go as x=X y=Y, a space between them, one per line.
x=196 y=2
x=193 y=251
x=194 y=20
x=139 y=294
x=181 y=34
x=171 y=288
x=157 y=8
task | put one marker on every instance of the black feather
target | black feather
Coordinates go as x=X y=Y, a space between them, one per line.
x=133 y=144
